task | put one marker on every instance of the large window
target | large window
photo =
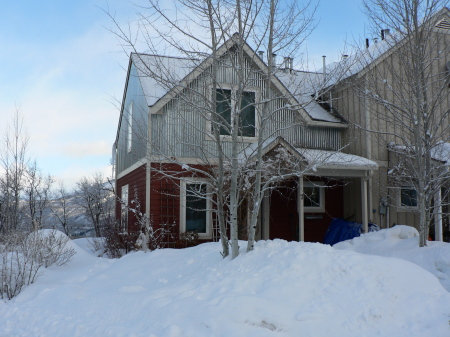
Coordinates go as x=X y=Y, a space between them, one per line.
x=195 y=209
x=408 y=197
x=124 y=209
x=225 y=100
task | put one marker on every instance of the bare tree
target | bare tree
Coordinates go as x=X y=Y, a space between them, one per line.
x=213 y=118
x=403 y=84
x=37 y=195
x=95 y=199
x=61 y=208
x=13 y=161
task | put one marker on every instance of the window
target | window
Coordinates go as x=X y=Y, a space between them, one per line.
x=247 y=117
x=130 y=127
x=314 y=197
x=195 y=209
x=124 y=209
x=408 y=197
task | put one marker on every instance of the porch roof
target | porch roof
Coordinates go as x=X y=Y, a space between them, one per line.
x=319 y=162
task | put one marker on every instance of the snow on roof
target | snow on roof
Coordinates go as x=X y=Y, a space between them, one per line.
x=439 y=152
x=303 y=85
x=317 y=159
x=159 y=74
x=324 y=159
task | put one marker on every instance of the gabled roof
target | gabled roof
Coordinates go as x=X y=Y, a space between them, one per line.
x=163 y=77
x=360 y=61
x=323 y=160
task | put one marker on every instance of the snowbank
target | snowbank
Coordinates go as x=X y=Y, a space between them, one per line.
x=287 y=289
x=403 y=242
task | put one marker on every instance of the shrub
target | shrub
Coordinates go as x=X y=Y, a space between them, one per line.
x=22 y=255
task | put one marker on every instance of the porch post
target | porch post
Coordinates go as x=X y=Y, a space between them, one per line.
x=300 y=208
x=438 y=216
x=265 y=235
x=365 y=215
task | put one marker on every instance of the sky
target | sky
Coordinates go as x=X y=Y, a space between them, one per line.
x=63 y=69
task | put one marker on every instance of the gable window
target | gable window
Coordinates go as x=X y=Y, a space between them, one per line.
x=130 y=127
x=314 y=197
x=225 y=99
x=408 y=196
x=195 y=208
x=124 y=209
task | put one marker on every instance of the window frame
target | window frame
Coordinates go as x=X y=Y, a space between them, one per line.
x=130 y=127
x=403 y=207
x=321 y=188
x=234 y=89
x=183 y=193
x=124 y=212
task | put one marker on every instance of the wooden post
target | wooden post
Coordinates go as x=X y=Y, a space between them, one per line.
x=265 y=235
x=365 y=215
x=301 y=212
x=438 y=216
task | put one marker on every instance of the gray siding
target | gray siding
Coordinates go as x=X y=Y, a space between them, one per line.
x=181 y=128
x=139 y=122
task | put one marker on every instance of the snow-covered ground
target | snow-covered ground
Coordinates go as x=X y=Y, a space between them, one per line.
x=280 y=289
x=402 y=242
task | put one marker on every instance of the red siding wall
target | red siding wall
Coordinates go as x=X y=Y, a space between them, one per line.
x=136 y=183
x=284 y=216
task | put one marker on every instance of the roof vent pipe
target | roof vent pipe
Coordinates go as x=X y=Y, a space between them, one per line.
x=384 y=33
x=367 y=43
x=375 y=40
x=324 y=65
x=344 y=56
x=261 y=55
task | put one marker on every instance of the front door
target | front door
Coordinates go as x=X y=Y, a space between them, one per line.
x=283 y=219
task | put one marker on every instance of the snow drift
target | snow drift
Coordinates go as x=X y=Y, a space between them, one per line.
x=280 y=289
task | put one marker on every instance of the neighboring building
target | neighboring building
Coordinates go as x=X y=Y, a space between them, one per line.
x=376 y=85
x=164 y=135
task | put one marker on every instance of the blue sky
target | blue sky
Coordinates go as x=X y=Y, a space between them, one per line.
x=65 y=72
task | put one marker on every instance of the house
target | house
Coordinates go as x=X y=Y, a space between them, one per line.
x=164 y=148
x=376 y=98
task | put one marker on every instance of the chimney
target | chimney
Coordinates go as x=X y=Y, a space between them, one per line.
x=367 y=43
x=261 y=55
x=291 y=63
x=274 y=60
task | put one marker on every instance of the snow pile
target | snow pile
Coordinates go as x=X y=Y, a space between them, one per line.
x=403 y=242
x=280 y=289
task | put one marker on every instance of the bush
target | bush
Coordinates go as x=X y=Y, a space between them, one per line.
x=22 y=255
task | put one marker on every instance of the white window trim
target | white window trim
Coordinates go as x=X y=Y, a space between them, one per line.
x=183 y=183
x=321 y=207
x=130 y=127
x=233 y=89
x=404 y=208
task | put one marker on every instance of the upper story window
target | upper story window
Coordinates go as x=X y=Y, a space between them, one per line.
x=130 y=127
x=225 y=100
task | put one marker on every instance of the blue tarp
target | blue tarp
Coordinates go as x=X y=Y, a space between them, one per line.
x=341 y=230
